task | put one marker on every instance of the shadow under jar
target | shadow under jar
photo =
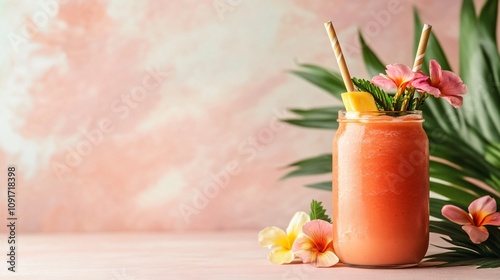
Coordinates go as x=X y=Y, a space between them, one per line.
x=380 y=189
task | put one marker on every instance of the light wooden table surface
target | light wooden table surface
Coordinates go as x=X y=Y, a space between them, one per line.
x=223 y=255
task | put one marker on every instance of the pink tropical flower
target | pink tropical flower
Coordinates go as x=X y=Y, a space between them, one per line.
x=315 y=245
x=444 y=84
x=397 y=76
x=482 y=212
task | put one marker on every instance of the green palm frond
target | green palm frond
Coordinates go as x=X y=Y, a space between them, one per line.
x=326 y=186
x=324 y=118
x=373 y=64
x=311 y=166
x=483 y=255
x=464 y=143
x=322 y=77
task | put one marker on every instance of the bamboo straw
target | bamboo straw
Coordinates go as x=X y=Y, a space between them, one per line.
x=422 y=45
x=340 y=57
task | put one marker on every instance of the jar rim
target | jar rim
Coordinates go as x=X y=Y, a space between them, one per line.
x=380 y=116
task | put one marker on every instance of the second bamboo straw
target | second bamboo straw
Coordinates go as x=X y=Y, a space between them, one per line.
x=422 y=46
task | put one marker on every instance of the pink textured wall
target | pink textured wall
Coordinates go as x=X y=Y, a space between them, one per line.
x=119 y=115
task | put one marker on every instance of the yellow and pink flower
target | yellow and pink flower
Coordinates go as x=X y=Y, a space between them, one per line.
x=280 y=241
x=315 y=245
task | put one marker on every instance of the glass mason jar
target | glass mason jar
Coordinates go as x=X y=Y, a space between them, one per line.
x=380 y=188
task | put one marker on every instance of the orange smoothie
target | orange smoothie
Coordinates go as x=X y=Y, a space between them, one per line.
x=381 y=190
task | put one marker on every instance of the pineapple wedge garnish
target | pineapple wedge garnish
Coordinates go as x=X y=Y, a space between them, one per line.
x=359 y=101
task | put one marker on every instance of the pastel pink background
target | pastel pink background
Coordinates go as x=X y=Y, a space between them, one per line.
x=221 y=86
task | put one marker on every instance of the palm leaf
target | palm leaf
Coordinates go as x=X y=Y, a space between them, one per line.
x=487 y=29
x=476 y=69
x=322 y=77
x=373 y=64
x=492 y=154
x=318 y=112
x=465 y=252
x=323 y=123
x=324 y=118
x=311 y=166
x=325 y=186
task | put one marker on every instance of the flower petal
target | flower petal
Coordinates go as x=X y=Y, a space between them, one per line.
x=295 y=226
x=383 y=82
x=320 y=232
x=483 y=204
x=273 y=237
x=420 y=75
x=400 y=74
x=281 y=256
x=456 y=215
x=326 y=259
x=423 y=84
x=492 y=220
x=452 y=85
x=455 y=101
x=476 y=234
x=482 y=207
x=445 y=84
x=435 y=72
x=304 y=248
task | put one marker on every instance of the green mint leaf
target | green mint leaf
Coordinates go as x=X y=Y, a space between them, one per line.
x=318 y=212
x=398 y=103
x=407 y=98
x=383 y=100
x=420 y=100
